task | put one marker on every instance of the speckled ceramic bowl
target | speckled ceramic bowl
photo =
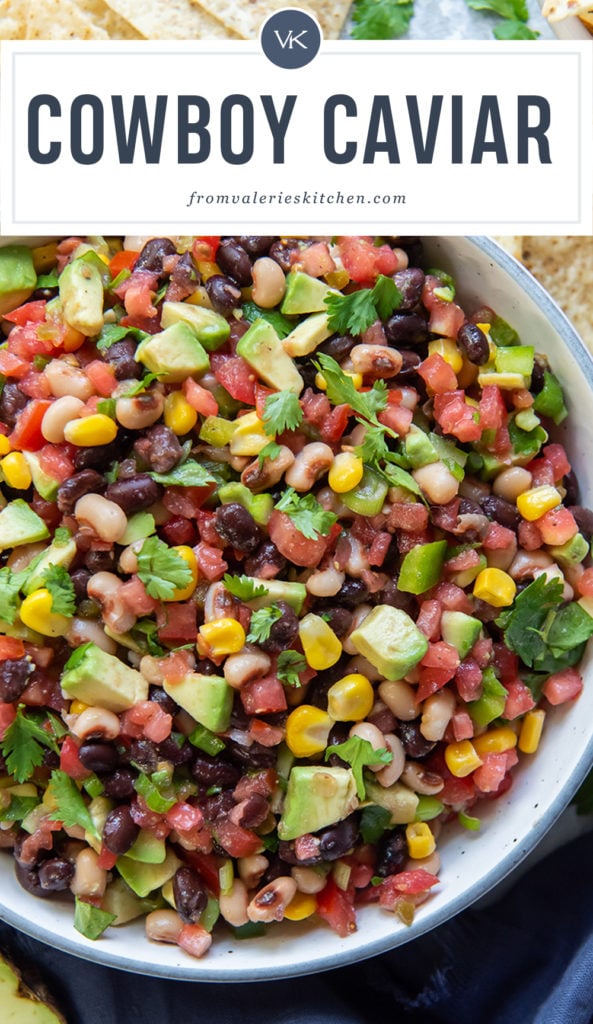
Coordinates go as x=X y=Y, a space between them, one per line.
x=473 y=863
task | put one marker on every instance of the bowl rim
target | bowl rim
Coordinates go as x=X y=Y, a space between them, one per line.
x=426 y=921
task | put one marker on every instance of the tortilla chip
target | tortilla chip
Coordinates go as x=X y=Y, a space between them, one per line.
x=564 y=265
x=556 y=10
x=587 y=20
x=170 y=19
x=12 y=20
x=60 y=19
x=247 y=18
x=112 y=23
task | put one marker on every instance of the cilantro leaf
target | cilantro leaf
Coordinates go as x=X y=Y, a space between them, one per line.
x=71 y=808
x=514 y=30
x=374 y=821
x=269 y=451
x=18 y=808
x=58 y=582
x=10 y=584
x=89 y=920
x=399 y=477
x=141 y=385
x=281 y=324
x=290 y=664
x=354 y=313
x=23 y=746
x=161 y=569
x=245 y=588
x=341 y=391
x=110 y=333
x=189 y=474
x=282 y=411
x=305 y=512
x=374 y=448
x=381 y=19
x=358 y=753
x=513 y=9
x=261 y=623
x=546 y=636
x=526 y=442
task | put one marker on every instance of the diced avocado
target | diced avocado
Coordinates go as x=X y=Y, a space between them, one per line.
x=390 y=640
x=279 y=590
x=18 y=278
x=145 y=878
x=316 y=797
x=304 y=294
x=102 y=680
x=307 y=335
x=19 y=524
x=261 y=347
x=572 y=552
x=208 y=699
x=147 y=848
x=368 y=497
x=81 y=295
x=217 y=431
x=460 y=630
x=400 y=801
x=175 y=353
x=99 y=808
x=515 y=359
x=421 y=567
x=58 y=553
x=491 y=704
x=140 y=525
x=209 y=327
x=46 y=485
x=419 y=449
x=260 y=506
x=121 y=901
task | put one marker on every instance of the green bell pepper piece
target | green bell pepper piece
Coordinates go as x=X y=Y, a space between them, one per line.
x=368 y=497
x=422 y=566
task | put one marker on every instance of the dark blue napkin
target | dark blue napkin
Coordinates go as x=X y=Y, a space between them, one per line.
x=526 y=958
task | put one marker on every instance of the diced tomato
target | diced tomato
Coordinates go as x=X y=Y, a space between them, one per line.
x=235 y=375
x=468 y=559
x=292 y=544
x=205 y=247
x=398 y=418
x=379 y=548
x=557 y=526
x=462 y=726
x=11 y=649
x=208 y=866
x=336 y=906
x=263 y=782
x=468 y=680
x=106 y=859
x=35 y=385
x=138 y=292
x=498 y=538
x=180 y=623
x=556 y=454
x=519 y=699
x=27 y=431
x=315 y=259
x=136 y=599
x=491 y=772
x=263 y=696
x=184 y=817
x=563 y=686
x=29 y=313
x=34 y=340
x=365 y=261
x=179 y=530
x=12 y=365
x=211 y=564
x=70 y=761
x=409 y=882
x=316 y=407
x=237 y=841
x=542 y=473
x=452 y=597
x=493 y=413
x=585 y=583
x=430 y=680
x=411 y=516
x=335 y=423
x=186 y=501
x=429 y=619
x=529 y=536
x=194 y=940
x=176 y=666
x=441 y=655
x=264 y=733
x=123 y=260
x=101 y=376
x=505 y=662
x=55 y=462
x=438 y=374
x=446 y=318
x=7 y=717
x=200 y=399
x=456 y=416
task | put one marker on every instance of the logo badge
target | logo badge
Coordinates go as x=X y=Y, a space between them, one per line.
x=290 y=38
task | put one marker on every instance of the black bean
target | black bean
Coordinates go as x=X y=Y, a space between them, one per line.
x=392 y=853
x=189 y=894
x=537 y=377
x=415 y=745
x=265 y=558
x=410 y=283
x=468 y=507
x=134 y=494
x=338 y=619
x=88 y=481
x=237 y=527
x=410 y=363
x=154 y=252
x=256 y=245
x=56 y=874
x=160 y=697
x=80 y=579
x=223 y=293
x=14 y=676
x=308 y=371
x=413 y=246
x=234 y=261
x=474 y=343
x=120 y=831
x=395 y=597
x=282 y=252
x=121 y=355
x=206 y=667
x=12 y=401
x=143 y=754
x=338 y=347
x=337 y=734
x=287 y=853
x=169 y=750
x=98 y=757
x=253 y=757
x=338 y=839
x=352 y=592
x=284 y=630
x=103 y=455
x=120 y=784
x=28 y=877
x=100 y=561
x=254 y=811
x=159 y=449
x=571 y=486
x=405 y=329
x=501 y=511
x=213 y=771
x=184 y=278
x=584 y=519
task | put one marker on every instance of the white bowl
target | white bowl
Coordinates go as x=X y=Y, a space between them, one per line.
x=512 y=825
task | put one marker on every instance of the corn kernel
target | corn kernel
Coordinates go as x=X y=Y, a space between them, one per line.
x=222 y=637
x=5 y=445
x=461 y=758
x=301 y=906
x=356 y=378
x=320 y=382
x=90 y=431
x=485 y=329
x=531 y=731
x=351 y=698
x=345 y=472
x=77 y=707
x=307 y=730
x=420 y=840
x=249 y=436
x=495 y=587
x=36 y=613
x=16 y=471
x=207 y=268
x=178 y=414
x=495 y=741
x=533 y=503
x=188 y=556
x=448 y=350
x=320 y=644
